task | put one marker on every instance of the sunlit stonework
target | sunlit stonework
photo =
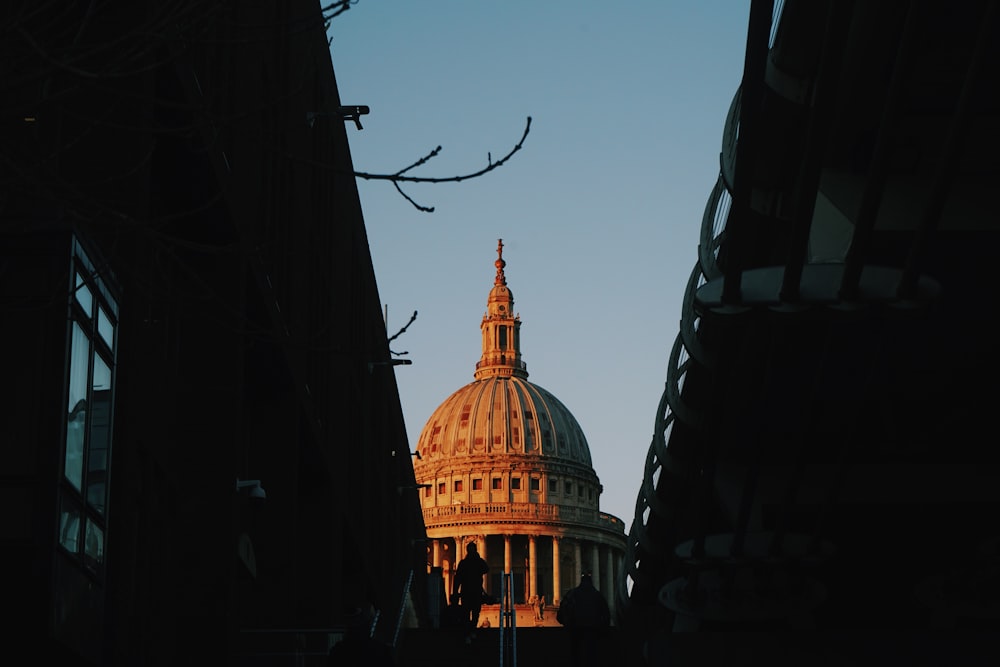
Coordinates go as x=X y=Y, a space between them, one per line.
x=507 y=465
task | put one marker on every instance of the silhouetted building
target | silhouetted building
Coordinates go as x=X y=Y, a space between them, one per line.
x=203 y=441
x=824 y=457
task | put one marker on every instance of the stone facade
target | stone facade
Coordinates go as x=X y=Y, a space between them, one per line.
x=504 y=463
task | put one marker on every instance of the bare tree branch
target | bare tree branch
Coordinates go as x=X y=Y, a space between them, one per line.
x=335 y=9
x=400 y=177
x=424 y=209
x=405 y=327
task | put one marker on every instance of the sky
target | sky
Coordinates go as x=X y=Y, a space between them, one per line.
x=599 y=211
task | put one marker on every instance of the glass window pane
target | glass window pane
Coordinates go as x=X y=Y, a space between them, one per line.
x=69 y=527
x=93 y=547
x=100 y=435
x=83 y=296
x=76 y=418
x=105 y=328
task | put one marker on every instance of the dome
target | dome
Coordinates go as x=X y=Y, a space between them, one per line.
x=502 y=416
x=501 y=413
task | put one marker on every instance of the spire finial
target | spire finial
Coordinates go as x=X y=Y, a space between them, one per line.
x=501 y=279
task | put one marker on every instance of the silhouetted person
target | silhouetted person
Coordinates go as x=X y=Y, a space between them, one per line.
x=358 y=648
x=586 y=614
x=467 y=588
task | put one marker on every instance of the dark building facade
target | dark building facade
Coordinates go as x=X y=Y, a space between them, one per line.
x=822 y=458
x=204 y=451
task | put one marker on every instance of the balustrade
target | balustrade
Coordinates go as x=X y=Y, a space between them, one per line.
x=521 y=511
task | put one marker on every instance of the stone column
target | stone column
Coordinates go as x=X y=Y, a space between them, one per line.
x=556 y=584
x=532 y=567
x=609 y=578
x=506 y=554
x=481 y=542
x=595 y=560
x=452 y=562
x=436 y=551
x=577 y=562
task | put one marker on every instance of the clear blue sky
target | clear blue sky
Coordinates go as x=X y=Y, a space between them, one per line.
x=599 y=212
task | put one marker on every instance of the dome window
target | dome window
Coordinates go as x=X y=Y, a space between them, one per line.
x=515 y=483
x=442 y=489
x=497 y=483
x=458 y=486
x=477 y=484
x=536 y=484
x=569 y=488
x=553 y=485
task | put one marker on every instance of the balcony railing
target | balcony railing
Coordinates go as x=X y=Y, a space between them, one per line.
x=496 y=360
x=522 y=511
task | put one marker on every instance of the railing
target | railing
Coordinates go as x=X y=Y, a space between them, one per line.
x=402 y=608
x=540 y=511
x=508 y=622
x=496 y=360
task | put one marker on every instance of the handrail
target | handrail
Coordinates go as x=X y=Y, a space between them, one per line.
x=508 y=621
x=402 y=607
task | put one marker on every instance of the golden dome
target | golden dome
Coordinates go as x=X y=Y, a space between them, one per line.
x=501 y=417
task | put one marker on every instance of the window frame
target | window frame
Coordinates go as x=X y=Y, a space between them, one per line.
x=87 y=432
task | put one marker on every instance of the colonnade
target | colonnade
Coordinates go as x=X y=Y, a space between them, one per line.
x=604 y=562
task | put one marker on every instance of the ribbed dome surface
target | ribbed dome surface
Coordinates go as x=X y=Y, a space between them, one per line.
x=501 y=415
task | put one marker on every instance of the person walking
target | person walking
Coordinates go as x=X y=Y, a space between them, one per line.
x=467 y=589
x=586 y=614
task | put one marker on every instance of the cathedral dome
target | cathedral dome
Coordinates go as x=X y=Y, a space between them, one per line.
x=502 y=416
x=501 y=413
x=502 y=463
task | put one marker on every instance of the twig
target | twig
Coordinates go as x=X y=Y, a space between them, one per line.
x=400 y=176
x=405 y=327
